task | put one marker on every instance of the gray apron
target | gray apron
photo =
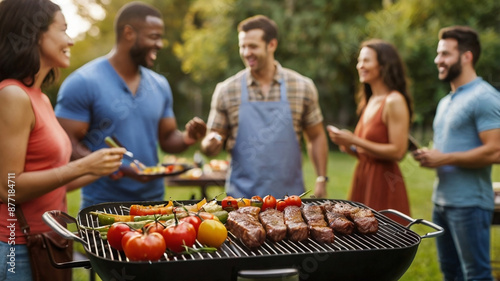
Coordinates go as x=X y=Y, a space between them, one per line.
x=266 y=158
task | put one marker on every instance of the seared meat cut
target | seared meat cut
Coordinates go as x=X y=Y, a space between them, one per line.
x=339 y=223
x=297 y=229
x=365 y=221
x=322 y=234
x=274 y=223
x=251 y=210
x=341 y=208
x=246 y=227
x=313 y=215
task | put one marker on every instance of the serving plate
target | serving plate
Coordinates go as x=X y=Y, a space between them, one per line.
x=163 y=170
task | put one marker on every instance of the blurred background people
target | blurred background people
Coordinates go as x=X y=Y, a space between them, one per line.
x=466 y=144
x=118 y=95
x=380 y=139
x=261 y=113
x=35 y=167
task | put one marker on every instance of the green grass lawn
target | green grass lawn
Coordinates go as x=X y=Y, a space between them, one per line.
x=419 y=183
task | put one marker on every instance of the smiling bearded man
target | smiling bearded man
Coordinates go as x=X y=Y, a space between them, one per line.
x=466 y=144
x=118 y=95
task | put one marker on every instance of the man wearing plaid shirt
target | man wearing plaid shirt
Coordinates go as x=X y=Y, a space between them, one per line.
x=261 y=114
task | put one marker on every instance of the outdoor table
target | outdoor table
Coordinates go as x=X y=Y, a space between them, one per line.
x=217 y=178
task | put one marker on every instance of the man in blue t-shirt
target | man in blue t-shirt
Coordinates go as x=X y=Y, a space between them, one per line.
x=466 y=144
x=118 y=95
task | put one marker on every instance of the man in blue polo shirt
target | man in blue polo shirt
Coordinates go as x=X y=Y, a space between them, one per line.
x=118 y=95
x=466 y=144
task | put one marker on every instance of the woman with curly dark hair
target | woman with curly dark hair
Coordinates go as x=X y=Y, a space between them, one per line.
x=380 y=139
x=35 y=170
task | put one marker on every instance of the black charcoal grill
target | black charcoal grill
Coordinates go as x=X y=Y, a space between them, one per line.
x=385 y=255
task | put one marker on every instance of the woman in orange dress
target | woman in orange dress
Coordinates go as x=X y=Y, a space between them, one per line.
x=380 y=139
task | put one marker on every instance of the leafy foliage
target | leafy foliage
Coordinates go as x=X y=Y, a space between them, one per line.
x=318 y=38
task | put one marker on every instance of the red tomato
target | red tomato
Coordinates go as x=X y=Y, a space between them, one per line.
x=280 y=205
x=145 y=247
x=129 y=235
x=193 y=220
x=154 y=227
x=115 y=234
x=268 y=202
x=229 y=204
x=177 y=235
x=293 y=200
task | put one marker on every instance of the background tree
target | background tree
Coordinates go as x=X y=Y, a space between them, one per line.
x=318 y=38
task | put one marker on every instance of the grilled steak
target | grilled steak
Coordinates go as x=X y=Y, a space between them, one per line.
x=251 y=210
x=341 y=208
x=246 y=227
x=313 y=215
x=274 y=223
x=339 y=223
x=297 y=229
x=365 y=221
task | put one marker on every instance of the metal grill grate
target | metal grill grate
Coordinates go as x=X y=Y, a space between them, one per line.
x=390 y=235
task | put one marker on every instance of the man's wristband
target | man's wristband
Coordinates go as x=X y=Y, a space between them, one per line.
x=322 y=179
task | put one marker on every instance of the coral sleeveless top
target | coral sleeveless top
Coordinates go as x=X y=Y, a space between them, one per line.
x=48 y=147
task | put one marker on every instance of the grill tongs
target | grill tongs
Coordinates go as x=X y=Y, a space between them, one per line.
x=112 y=141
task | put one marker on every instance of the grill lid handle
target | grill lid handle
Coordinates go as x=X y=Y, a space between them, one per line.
x=54 y=218
x=439 y=230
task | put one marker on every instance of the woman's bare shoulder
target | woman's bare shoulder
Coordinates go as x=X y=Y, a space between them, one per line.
x=14 y=103
x=395 y=97
x=14 y=94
